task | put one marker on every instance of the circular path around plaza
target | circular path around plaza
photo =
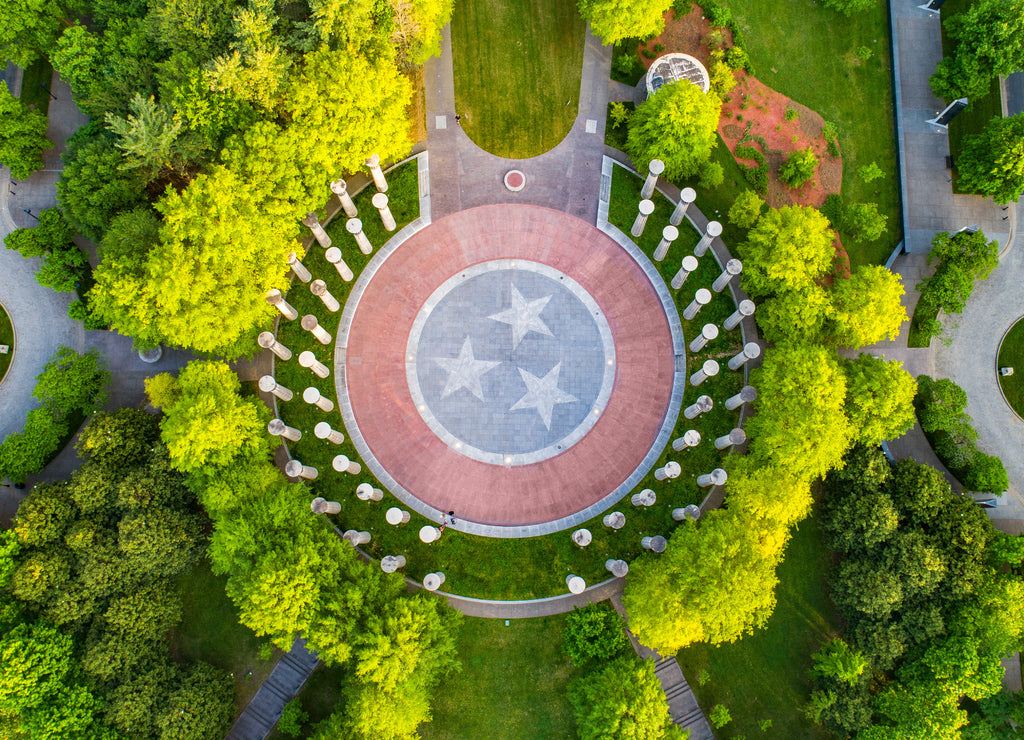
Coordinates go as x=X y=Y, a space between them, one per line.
x=512 y=364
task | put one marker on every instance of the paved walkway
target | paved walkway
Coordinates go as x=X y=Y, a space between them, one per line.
x=929 y=205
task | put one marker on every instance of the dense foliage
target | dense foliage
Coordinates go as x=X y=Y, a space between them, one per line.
x=614 y=20
x=991 y=162
x=22 y=135
x=594 y=633
x=989 y=41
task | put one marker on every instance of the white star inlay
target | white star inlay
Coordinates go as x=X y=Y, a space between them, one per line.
x=542 y=394
x=464 y=371
x=524 y=317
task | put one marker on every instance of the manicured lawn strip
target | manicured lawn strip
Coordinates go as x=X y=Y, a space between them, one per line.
x=210 y=631
x=1011 y=354
x=806 y=51
x=512 y=686
x=6 y=337
x=517 y=72
x=33 y=93
x=764 y=675
x=504 y=568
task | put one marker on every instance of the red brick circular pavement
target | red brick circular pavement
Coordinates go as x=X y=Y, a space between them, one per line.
x=494 y=495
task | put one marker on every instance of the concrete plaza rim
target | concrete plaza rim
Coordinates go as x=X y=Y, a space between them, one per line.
x=660 y=433
x=999 y=383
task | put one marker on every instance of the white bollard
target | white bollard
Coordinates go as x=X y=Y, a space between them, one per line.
x=308 y=360
x=269 y=385
x=333 y=255
x=267 y=340
x=429 y=533
x=700 y=299
x=732 y=269
x=342 y=464
x=750 y=351
x=672 y=469
x=275 y=299
x=313 y=398
x=582 y=537
x=646 y=497
x=295 y=469
x=691 y=512
x=716 y=477
x=313 y=223
x=736 y=437
x=709 y=370
x=686 y=197
x=655 y=168
x=747 y=394
x=746 y=308
x=356 y=538
x=378 y=176
x=618 y=568
x=690 y=439
x=707 y=333
x=396 y=516
x=298 y=268
x=380 y=202
x=366 y=492
x=654 y=544
x=323 y=430
x=278 y=428
x=355 y=227
x=615 y=520
x=702 y=405
x=575 y=584
x=320 y=505
x=646 y=208
x=319 y=289
x=433 y=581
x=689 y=265
x=713 y=229
x=310 y=324
x=668 y=235
x=391 y=563
x=340 y=189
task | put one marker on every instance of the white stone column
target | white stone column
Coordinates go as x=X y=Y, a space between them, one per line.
x=391 y=563
x=672 y=469
x=618 y=568
x=708 y=370
x=298 y=268
x=321 y=505
x=318 y=231
x=668 y=235
x=582 y=537
x=396 y=516
x=278 y=428
x=736 y=437
x=295 y=469
x=655 y=168
x=575 y=584
x=308 y=360
x=310 y=324
x=615 y=520
x=267 y=340
x=313 y=398
x=707 y=333
x=275 y=299
x=732 y=269
x=686 y=197
x=319 y=289
x=691 y=512
x=751 y=351
x=356 y=538
x=700 y=299
x=716 y=477
x=654 y=544
x=747 y=394
x=340 y=188
x=690 y=439
x=323 y=430
x=646 y=208
x=366 y=492
x=342 y=464
x=269 y=385
x=689 y=265
x=746 y=308
x=378 y=175
x=380 y=202
x=433 y=581
x=333 y=255
x=714 y=229
x=646 y=497
x=702 y=405
x=355 y=227
x=429 y=533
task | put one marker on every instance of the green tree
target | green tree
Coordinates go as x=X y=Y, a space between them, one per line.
x=799 y=316
x=29 y=28
x=788 y=249
x=879 y=398
x=870 y=172
x=119 y=441
x=861 y=587
x=417 y=32
x=151 y=139
x=866 y=306
x=72 y=382
x=746 y=209
x=614 y=20
x=27 y=452
x=621 y=700
x=863 y=221
x=593 y=632
x=202 y=705
x=22 y=134
x=677 y=125
x=989 y=41
x=52 y=233
x=991 y=162
x=798 y=168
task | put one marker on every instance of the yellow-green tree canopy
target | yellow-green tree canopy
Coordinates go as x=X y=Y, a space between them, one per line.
x=677 y=125
x=788 y=249
x=614 y=20
x=866 y=306
x=879 y=398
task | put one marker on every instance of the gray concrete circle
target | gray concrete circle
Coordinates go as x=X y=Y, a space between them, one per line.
x=510 y=362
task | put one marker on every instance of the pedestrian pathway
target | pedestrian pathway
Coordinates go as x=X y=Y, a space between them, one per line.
x=284 y=683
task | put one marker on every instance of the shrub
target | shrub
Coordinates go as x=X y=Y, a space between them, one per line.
x=736 y=57
x=722 y=78
x=870 y=172
x=798 y=168
x=864 y=53
x=619 y=114
x=758 y=177
x=659 y=48
x=833 y=209
x=716 y=14
x=593 y=632
x=648 y=54
x=292 y=719
x=711 y=175
x=749 y=152
x=719 y=716
x=746 y=209
x=863 y=221
x=830 y=131
x=28 y=451
x=791 y=114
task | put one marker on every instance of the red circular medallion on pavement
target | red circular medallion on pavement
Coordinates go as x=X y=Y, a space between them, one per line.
x=512 y=364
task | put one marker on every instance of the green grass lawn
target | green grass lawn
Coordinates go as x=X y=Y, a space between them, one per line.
x=517 y=72
x=6 y=337
x=764 y=675
x=512 y=686
x=807 y=52
x=210 y=631
x=35 y=77
x=507 y=568
x=1011 y=354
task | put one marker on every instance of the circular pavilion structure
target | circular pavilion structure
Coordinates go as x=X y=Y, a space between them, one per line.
x=676 y=66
